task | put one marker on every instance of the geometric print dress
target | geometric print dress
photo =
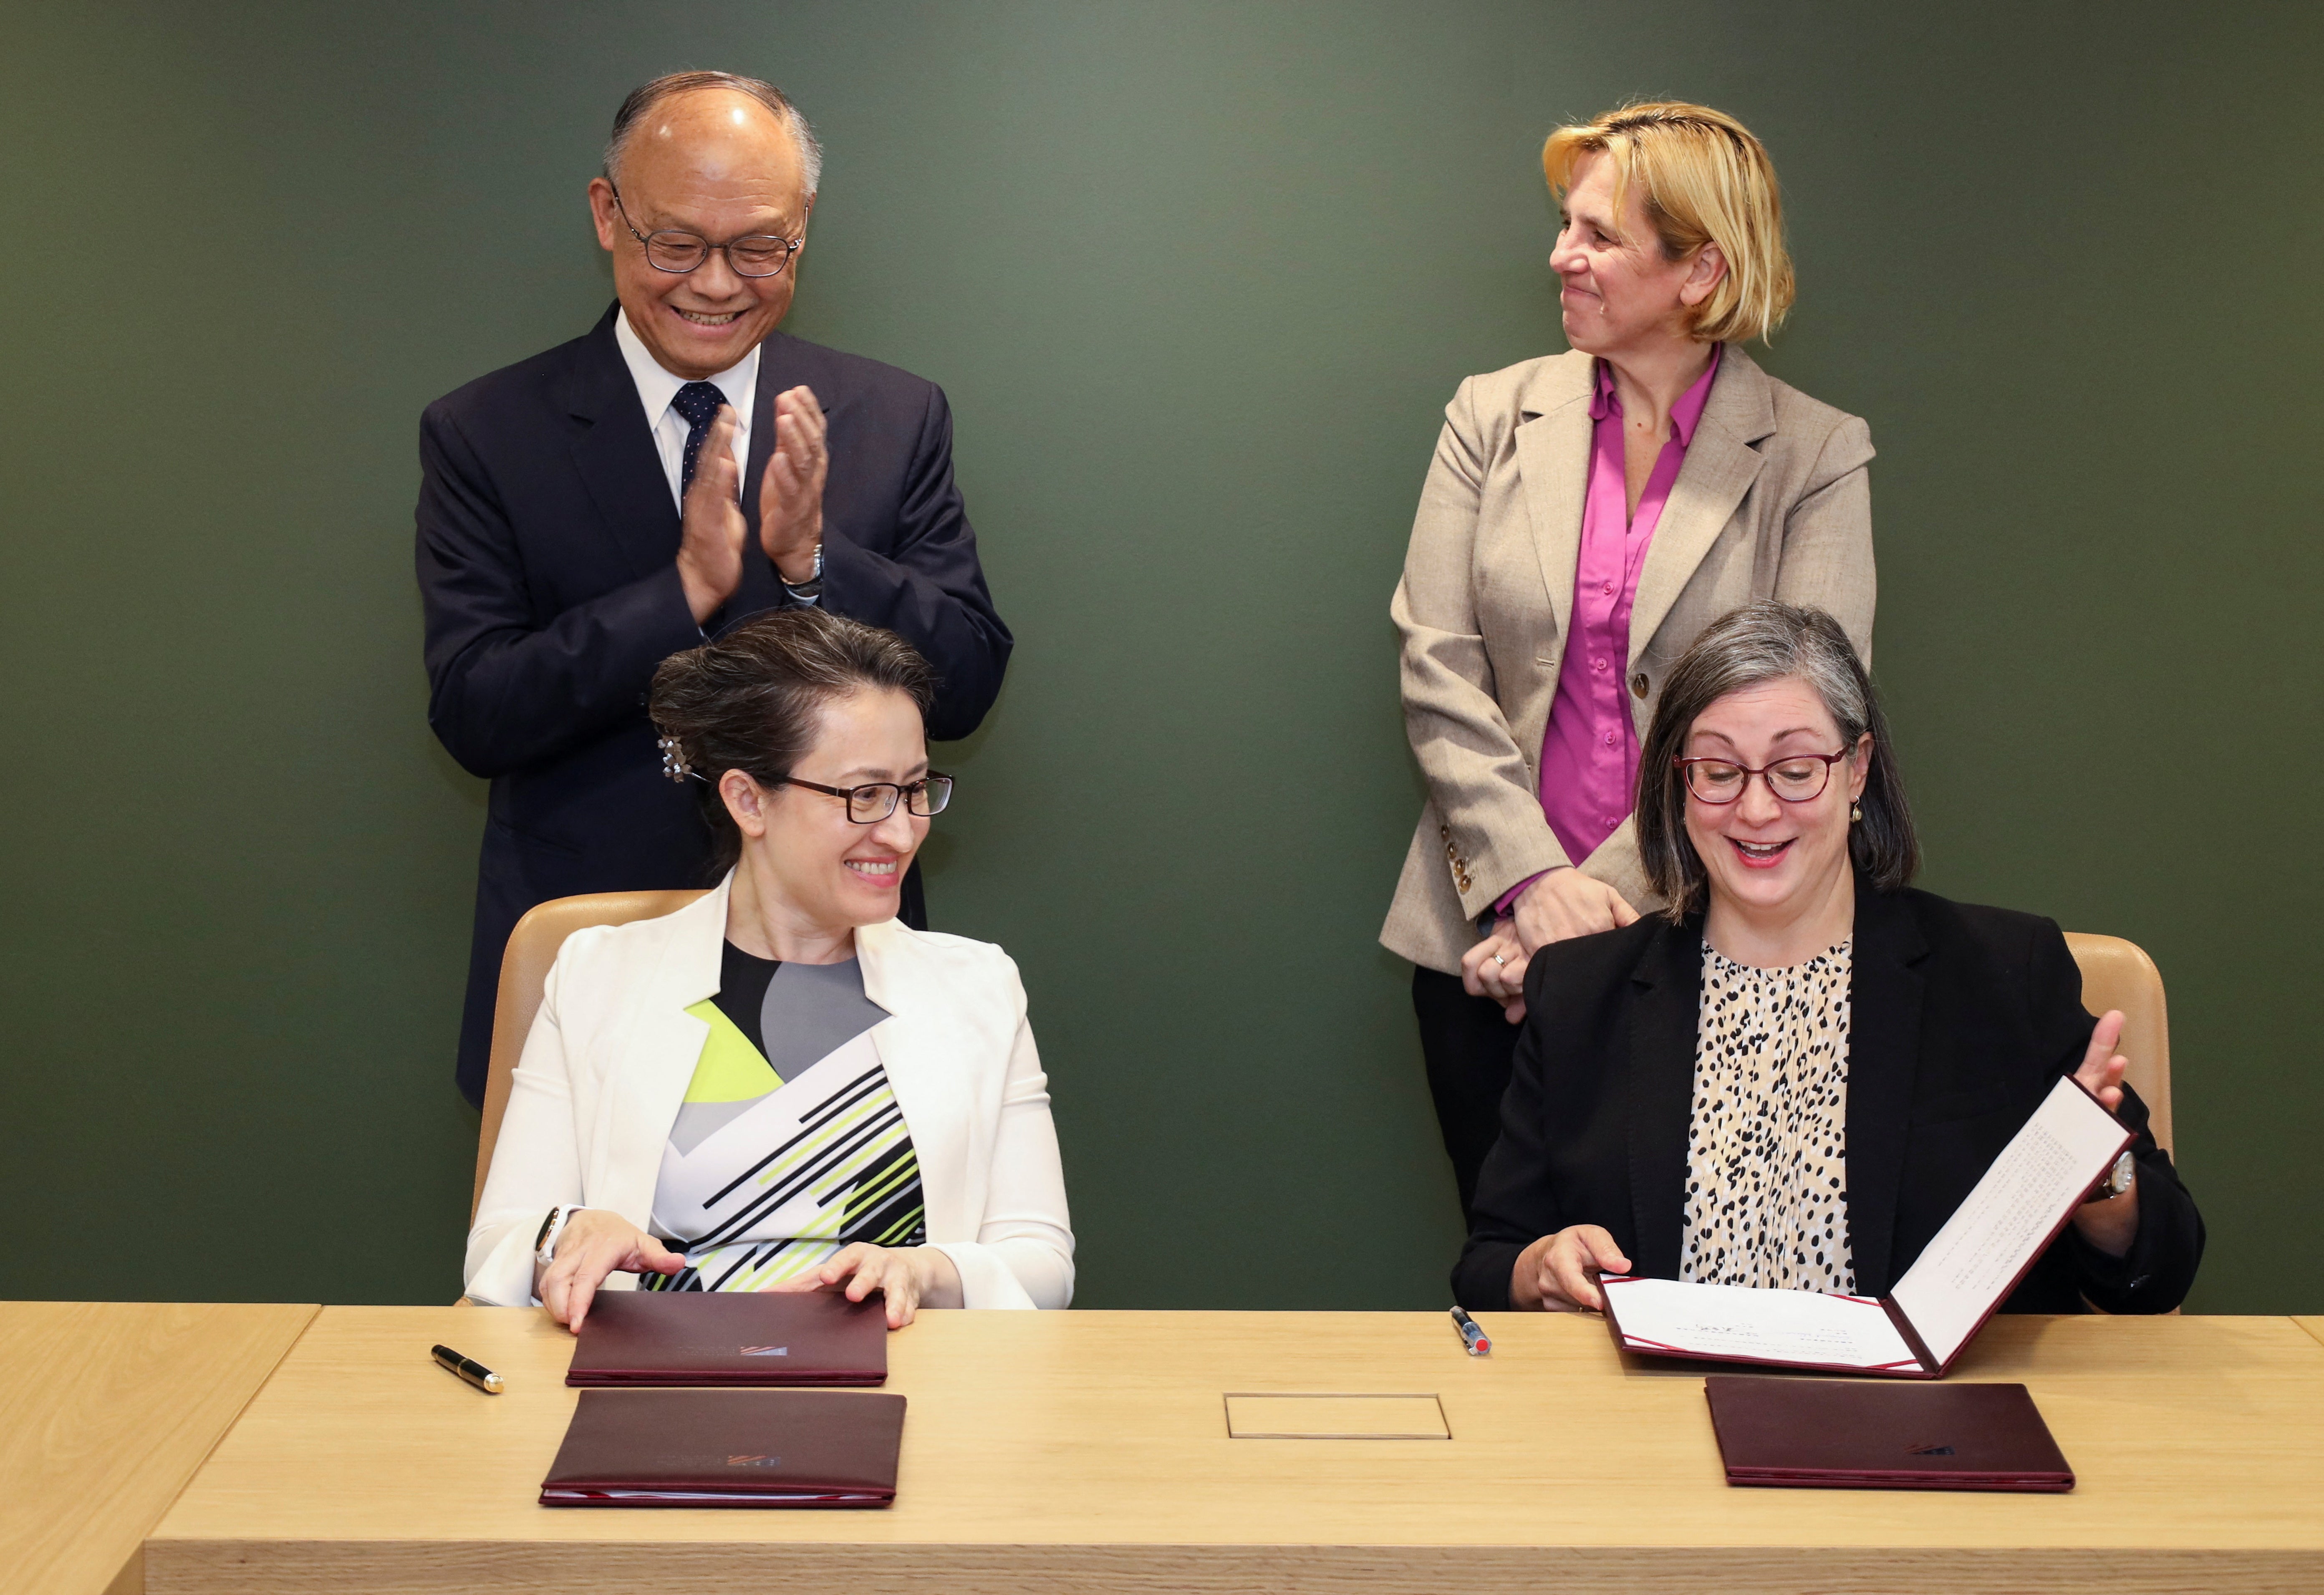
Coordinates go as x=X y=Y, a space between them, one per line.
x=1766 y=1176
x=789 y=1145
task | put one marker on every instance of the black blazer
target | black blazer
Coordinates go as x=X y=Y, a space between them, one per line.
x=547 y=547
x=1960 y=1020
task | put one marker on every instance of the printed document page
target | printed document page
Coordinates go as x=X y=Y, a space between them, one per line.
x=2040 y=1177
x=1790 y=1326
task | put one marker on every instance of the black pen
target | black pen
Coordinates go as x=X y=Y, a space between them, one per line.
x=1472 y=1335
x=469 y=1369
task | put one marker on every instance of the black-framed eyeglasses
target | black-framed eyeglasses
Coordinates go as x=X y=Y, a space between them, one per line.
x=1796 y=778
x=868 y=805
x=671 y=250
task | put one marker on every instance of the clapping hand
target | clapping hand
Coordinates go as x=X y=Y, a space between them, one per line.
x=710 y=529
x=791 y=493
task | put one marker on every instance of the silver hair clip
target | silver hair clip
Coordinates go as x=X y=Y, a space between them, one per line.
x=673 y=759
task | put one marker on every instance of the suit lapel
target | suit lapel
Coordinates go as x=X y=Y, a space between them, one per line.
x=1667 y=995
x=919 y=1052
x=1884 y=1051
x=1720 y=465
x=1552 y=450
x=614 y=452
x=661 y=1047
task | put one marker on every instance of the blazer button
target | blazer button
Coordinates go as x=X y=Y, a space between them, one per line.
x=1638 y=685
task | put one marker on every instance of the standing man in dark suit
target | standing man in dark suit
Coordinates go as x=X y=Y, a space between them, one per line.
x=585 y=513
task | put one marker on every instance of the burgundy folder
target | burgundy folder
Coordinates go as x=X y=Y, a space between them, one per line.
x=728 y=1448
x=1854 y=1434
x=643 y=1337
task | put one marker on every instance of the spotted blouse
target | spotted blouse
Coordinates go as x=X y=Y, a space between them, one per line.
x=1767 y=1168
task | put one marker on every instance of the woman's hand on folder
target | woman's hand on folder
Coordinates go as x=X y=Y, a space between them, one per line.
x=908 y=1276
x=593 y=1244
x=1556 y=1273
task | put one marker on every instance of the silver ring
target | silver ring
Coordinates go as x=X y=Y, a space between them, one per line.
x=1501 y=958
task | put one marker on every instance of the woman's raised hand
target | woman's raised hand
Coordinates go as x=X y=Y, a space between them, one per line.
x=1553 y=1274
x=2109 y=1223
x=2101 y=1073
x=907 y=1276
x=593 y=1244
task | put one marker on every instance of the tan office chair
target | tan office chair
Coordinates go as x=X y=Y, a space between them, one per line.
x=524 y=970
x=2116 y=973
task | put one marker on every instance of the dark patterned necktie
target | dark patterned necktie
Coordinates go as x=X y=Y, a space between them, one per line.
x=698 y=403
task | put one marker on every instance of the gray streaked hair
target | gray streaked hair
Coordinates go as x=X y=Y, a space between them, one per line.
x=1763 y=641
x=647 y=95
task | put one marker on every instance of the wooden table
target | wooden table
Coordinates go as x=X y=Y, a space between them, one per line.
x=1088 y=1451
x=2314 y=1326
x=106 y=1410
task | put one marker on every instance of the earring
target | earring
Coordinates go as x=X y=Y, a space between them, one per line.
x=1856 y=811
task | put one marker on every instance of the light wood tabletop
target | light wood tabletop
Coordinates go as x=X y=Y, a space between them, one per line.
x=106 y=1410
x=2314 y=1326
x=1089 y=1451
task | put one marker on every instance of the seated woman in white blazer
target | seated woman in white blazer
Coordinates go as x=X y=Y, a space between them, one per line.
x=780 y=1086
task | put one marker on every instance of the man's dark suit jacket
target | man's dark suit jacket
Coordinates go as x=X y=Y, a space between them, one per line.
x=547 y=542
x=1960 y=1020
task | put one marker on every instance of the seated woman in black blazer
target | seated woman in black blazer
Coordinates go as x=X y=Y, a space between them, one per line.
x=1793 y=1076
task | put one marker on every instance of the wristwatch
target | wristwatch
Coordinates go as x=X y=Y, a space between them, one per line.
x=2118 y=1180
x=544 y=1245
x=812 y=586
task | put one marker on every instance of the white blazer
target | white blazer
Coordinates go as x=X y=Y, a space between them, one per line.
x=610 y=1057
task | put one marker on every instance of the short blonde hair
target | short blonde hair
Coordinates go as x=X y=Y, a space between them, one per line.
x=1706 y=180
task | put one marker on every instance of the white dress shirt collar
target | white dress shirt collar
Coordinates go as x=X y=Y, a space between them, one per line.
x=657 y=387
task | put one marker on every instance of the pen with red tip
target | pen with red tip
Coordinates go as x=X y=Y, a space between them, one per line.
x=1473 y=1336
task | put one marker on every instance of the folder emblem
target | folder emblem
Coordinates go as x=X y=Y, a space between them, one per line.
x=764 y=1351
x=754 y=1462
x=1929 y=1451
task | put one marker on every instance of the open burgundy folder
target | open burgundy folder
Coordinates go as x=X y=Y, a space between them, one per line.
x=1917 y=1329
x=651 y=1337
x=728 y=1448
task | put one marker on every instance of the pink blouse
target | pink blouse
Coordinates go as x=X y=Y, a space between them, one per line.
x=1590 y=752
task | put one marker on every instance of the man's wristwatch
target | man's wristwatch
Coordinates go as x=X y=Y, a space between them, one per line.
x=2119 y=1179
x=544 y=1245
x=812 y=586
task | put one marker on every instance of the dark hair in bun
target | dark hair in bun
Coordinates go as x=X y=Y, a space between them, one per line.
x=750 y=700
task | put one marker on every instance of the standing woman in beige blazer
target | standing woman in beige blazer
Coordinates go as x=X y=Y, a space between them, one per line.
x=1585 y=516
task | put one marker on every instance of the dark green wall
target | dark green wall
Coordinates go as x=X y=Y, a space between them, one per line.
x=1198 y=279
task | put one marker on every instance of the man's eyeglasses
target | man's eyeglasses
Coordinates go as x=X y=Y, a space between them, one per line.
x=758 y=254
x=1794 y=779
x=868 y=805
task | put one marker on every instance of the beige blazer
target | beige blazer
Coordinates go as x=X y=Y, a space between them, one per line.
x=607 y=1062
x=1774 y=501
